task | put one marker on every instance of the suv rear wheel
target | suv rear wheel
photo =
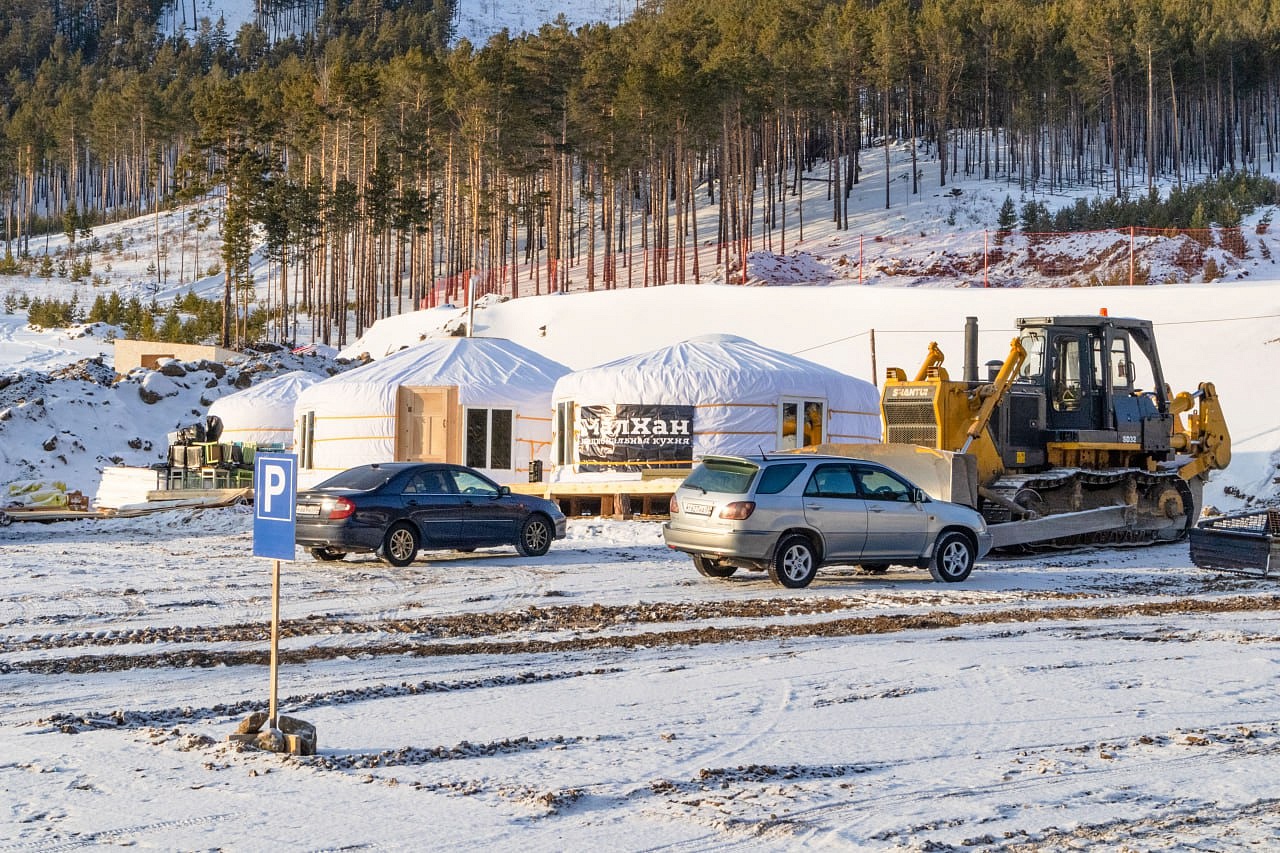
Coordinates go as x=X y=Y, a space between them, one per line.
x=712 y=568
x=794 y=562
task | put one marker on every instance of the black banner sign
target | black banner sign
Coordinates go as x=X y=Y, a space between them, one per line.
x=633 y=437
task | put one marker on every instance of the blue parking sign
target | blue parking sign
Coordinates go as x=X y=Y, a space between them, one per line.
x=275 y=495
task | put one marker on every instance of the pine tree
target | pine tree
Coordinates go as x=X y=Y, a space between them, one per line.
x=98 y=311
x=1008 y=216
x=171 y=327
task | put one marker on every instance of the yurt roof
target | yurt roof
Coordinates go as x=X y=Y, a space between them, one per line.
x=391 y=334
x=486 y=371
x=703 y=370
x=268 y=401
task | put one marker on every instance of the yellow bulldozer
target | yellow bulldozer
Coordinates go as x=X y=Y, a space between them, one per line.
x=1074 y=438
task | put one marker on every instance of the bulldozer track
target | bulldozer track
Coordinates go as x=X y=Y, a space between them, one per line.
x=1052 y=492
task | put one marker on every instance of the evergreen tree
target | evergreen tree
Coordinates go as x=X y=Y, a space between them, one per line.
x=171 y=327
x=1008 y=216
x=98 y=311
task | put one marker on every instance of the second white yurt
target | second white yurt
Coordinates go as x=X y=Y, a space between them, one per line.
x=664 y=409
x=483 y=402
x=262 y=414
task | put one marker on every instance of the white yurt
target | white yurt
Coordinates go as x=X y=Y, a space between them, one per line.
x=712 y=394
x=262 y=414
x=483 y=402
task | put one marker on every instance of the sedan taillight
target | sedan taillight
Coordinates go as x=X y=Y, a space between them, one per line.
x=338 y=508
x=738 y=510
x=674 y=506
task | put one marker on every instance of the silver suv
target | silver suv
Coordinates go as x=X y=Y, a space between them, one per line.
x=789 y=514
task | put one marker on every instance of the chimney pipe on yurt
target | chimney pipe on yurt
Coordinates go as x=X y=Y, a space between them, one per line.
x=471 y=301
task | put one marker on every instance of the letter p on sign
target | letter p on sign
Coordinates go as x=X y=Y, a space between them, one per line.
x=275 y=487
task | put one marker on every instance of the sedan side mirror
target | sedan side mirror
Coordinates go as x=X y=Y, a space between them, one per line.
x=503 y=491
x=918 y=496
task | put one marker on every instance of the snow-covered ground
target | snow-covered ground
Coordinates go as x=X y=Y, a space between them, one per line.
x=606 y=697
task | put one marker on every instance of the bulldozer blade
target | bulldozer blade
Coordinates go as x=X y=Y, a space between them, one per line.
x=1060 y=526
x=943 y=474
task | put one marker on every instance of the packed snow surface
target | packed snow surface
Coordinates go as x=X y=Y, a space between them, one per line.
x=607 y=697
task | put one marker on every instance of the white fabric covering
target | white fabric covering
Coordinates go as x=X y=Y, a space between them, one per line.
x=355 y=411
x=736 y=386
x=262 y=413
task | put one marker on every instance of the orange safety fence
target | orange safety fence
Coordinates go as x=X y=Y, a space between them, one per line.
x=989 y=258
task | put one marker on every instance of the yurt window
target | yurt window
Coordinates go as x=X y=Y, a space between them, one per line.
x=801 y=423
x=489 y=435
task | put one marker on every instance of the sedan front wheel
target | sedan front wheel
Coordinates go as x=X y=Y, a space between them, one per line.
x=399 y=546
x=535 y=536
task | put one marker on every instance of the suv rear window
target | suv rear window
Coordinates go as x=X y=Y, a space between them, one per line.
x=775 y=478
x=722 y=475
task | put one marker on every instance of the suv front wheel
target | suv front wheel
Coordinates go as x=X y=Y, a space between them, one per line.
x=794 y=562
x=952 y=558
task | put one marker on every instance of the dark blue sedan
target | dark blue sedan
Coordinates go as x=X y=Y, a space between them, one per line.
x=396 y=509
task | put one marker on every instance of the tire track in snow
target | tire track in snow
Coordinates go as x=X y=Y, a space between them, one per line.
x=1038 y=768
x=611 y=623
x=124 y=835
x=74 y=723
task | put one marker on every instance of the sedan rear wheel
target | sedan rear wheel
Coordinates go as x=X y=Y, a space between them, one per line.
x=712 y=568
x=399 y=546
x=953 y=558
x=794 y=563
x=535 y=536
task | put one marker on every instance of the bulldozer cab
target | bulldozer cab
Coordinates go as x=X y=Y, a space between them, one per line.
x=1100 y=380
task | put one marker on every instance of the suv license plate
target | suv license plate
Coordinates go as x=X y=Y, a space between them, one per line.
x=696 y=507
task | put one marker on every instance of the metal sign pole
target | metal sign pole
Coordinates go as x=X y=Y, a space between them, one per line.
x=275 y=499
x=275 y=643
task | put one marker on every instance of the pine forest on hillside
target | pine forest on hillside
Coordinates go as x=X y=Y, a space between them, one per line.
x=374 y=158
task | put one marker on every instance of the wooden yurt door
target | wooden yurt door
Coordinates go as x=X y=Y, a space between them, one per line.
x=428 y=427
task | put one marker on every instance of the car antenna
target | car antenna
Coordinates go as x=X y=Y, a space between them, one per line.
x=763 y=455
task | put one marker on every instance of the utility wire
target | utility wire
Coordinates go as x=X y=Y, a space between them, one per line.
x=952 y=331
